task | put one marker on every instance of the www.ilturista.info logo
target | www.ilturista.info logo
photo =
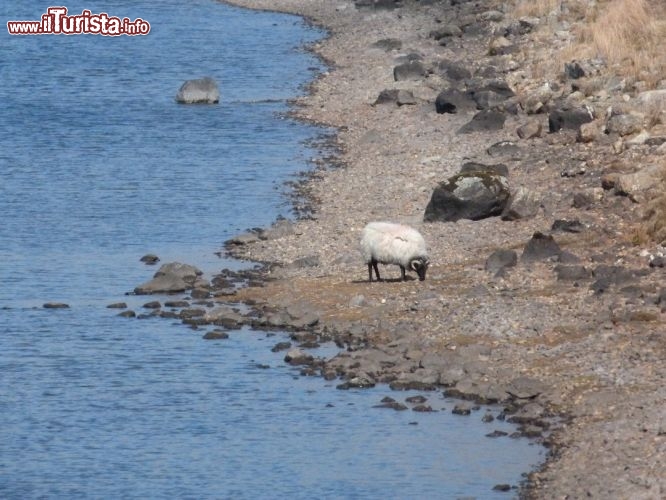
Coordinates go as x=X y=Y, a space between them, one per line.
x=57 y=22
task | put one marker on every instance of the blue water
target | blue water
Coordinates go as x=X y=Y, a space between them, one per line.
x=98 y=166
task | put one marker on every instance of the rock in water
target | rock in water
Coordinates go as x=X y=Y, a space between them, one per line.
x=202 y=91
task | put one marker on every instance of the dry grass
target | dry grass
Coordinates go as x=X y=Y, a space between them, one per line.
x=627 y=34
x=655 y=214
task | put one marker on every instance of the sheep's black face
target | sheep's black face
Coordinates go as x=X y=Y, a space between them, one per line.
x=420 y=266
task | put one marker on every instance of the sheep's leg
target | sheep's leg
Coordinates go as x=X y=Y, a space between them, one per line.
x=402 y=273
x=370 y=271
x=373 y=264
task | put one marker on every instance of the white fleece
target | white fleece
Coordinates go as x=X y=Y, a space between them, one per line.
x=390 y=243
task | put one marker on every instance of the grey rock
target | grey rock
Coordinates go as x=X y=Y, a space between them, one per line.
x=568 y=226
x=523 y=204
x=298 y=357
x=472 y=167
x=501 y=259
x=117 y=305
x=504 y=148
x=571 y=119
x=413 y=70
x=572 y=273
x=530 y=130
x=170 y=278
x=454 y=101
x=55 y=305
x=150 y=259
x=540 y=247
x=525 y=388
x=472 y=196
x=625 y=124
x=216 y=335
x=484 y=121
x=453 y=71
x=388 y=44
x=201 y=91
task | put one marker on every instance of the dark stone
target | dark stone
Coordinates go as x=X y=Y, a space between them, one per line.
x=657 y=261
x=170 y=278
x=504 y=148
x=388 y=44
x=201 y=91
x=582 y=200
x=608 y=276
x=491 y=94
x=150 y=259
x=413 y=70
x=487 y=418
x=152 y=305
x=453 y=71
x=572 y=273
x=298 y=357
x=501 y=259
x=484 y=121
x=200 y=293
x=446 y=31
x=55 y=305
x=357 y=383
x=378 y=4
x=496 y=434
x=570 y=119
x=462 y=409
x=215 y=335
x=453 y=101
x=472 y=196
x=540 y=247
x=472 y=167
x=423 y=409
x=117 y=305
x=502 y=487
x=191 y=313
x=281 y=346
x=567 y=226
x=127 y=314
x=416 y=399
x=574 y=70
x=395 y=96
x=393 y=405
x=177 y=303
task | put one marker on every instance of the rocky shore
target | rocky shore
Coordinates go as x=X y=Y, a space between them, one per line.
x=545 y=293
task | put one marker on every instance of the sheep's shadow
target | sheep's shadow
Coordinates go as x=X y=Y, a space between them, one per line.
x=385 y=280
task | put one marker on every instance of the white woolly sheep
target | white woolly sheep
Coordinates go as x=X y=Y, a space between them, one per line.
x=390 y=243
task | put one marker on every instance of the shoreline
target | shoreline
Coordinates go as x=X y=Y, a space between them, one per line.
x=540 y=345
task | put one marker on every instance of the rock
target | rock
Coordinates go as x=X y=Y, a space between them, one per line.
x=500 y=46
x=305 y=262
x=216 y=335
x=530 y=130
x=152 y=305
x=652 y=101
x=224 y=316
x=572 y=119
x=540 y=247
x=360 y=382
x=388 y=44
x=150 y=259
x=523 y=204
x=395 y=96
x=537 y=101
x=117 y=305
x=491 y=94
x=502 y=487
x=170 y=278
x=588 y=132
x=176 y=303
x=468 y=196
x=625 y=124
x=202 y=91
x=453 y=71
x=393 y=405
x=484 y=121
x=607 y=276
x=496 y=434
x=200 y=293
x=525 y=388
x=446 y=31
x=462 y=409
x=500 y=260
x=454 y=101
x=574 y=70
x=572 y=273
x=636 y=184
x=567 y=226
x=504 y=148
x=473 y=167
x=298 y=357
x=127 y=314
x=279 y=229
x=423 y=409
x=416 y=399
x=242 y=239
x=412 y=70
x=55 y=305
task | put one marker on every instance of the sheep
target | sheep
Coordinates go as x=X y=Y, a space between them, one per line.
x=390 y=243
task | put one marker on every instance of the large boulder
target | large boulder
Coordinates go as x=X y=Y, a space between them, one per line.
x=173 y=277
x=202 y=91
x=484 y=121
x=469 y=195
x=568 y=118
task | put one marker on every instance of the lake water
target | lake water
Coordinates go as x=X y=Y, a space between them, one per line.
x=98 y=166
